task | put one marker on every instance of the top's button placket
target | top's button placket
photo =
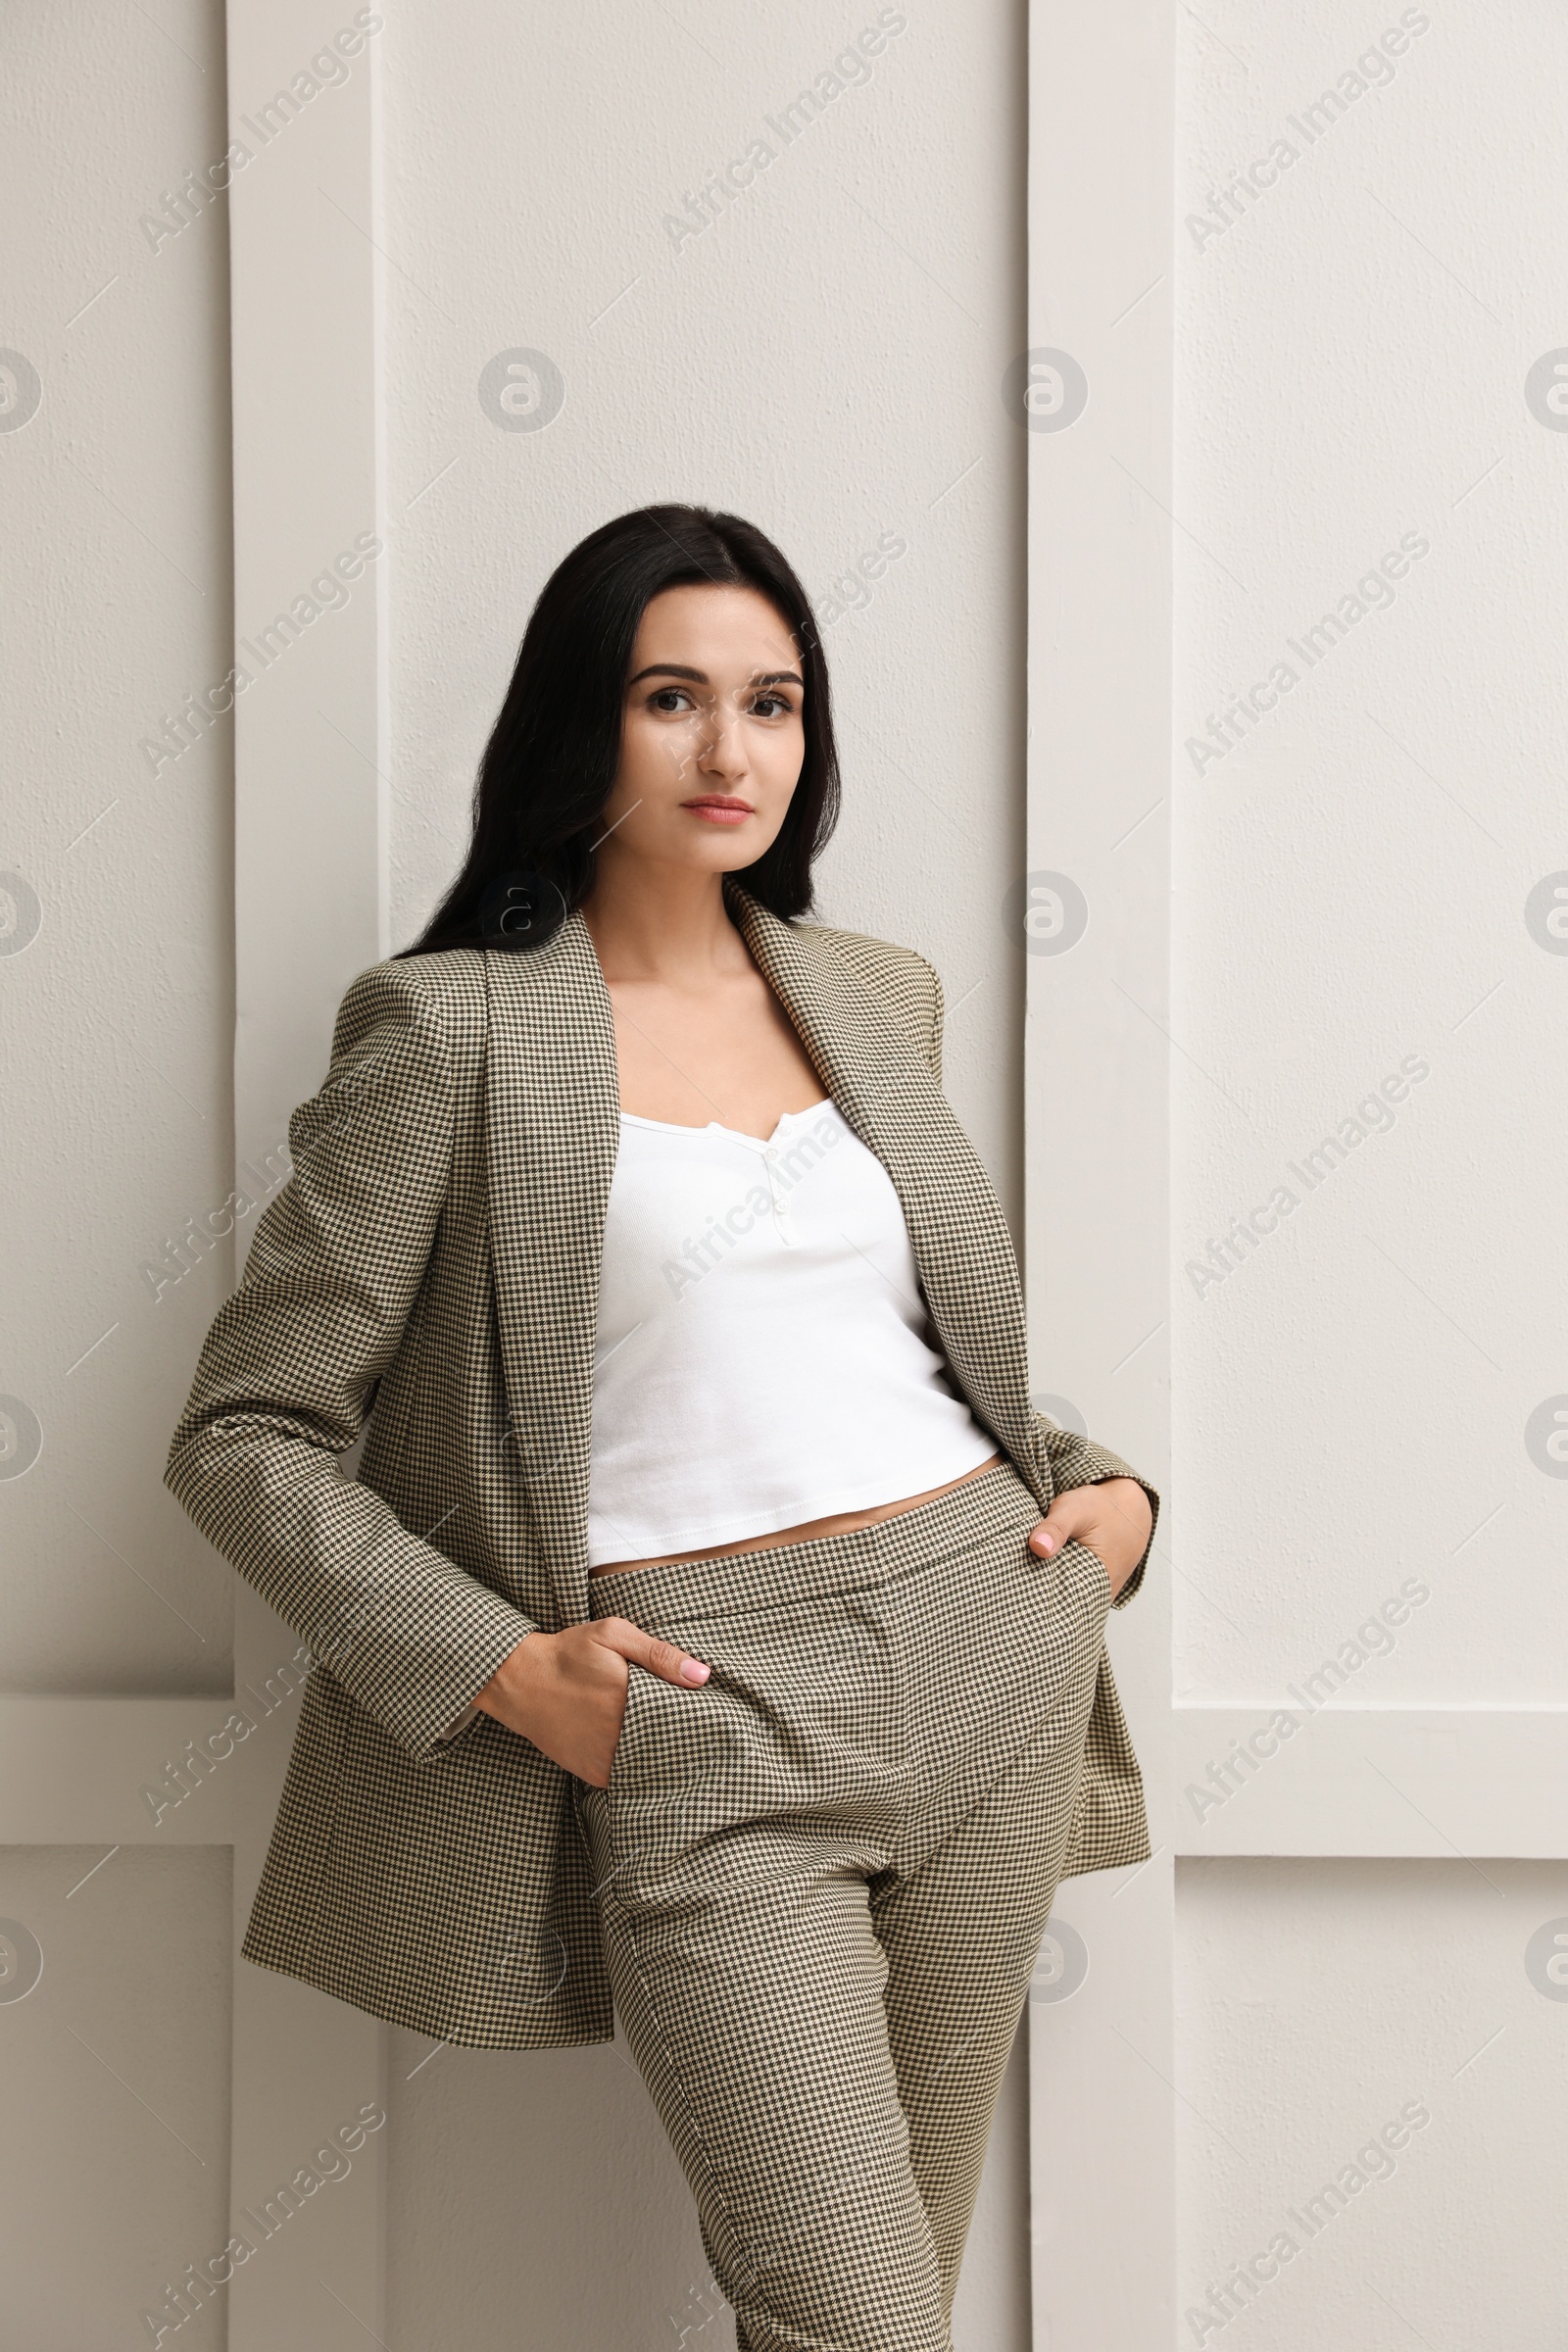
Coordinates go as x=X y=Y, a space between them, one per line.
x=783 y=1222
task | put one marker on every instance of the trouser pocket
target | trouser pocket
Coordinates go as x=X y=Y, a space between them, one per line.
x=1090 y=1566
x=802 y=1722
x=627 y=1739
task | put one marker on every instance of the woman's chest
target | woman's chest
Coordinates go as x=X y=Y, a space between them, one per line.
x=808 y=1205
x=727 y=1053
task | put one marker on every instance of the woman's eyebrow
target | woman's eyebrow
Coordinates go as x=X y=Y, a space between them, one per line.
x=699 y=677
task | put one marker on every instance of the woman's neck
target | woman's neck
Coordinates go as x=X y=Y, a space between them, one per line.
x=666 y=924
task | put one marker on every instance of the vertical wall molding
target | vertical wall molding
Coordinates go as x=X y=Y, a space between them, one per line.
x=1097 y=1080
x=309 y=893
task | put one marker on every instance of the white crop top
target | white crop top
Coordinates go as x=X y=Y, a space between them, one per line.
x=763 y=1350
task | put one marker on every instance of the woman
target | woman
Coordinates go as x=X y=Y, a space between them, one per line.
x=711 y=1619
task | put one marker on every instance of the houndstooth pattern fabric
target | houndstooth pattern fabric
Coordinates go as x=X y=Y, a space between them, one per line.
x=435 y=1255
x=823 y=1877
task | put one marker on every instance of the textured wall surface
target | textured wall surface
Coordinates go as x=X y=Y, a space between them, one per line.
x=1366 y=2045
x=116 y=934
x=823 y=353
x=1368 y=1272
x=115 y=2170
x=1366 y=964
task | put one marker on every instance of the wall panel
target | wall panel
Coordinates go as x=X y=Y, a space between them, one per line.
x=823 y=352
x=115 y=2018
x=115 y=900
x=1367 y=1302
x=1365 y=2140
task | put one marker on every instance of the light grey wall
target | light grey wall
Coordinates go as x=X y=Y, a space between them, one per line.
x=116 y=1008
x=114 y=2172
x=1355 y=871
x=825 y=357
x=116 y=1013
x=1324 y=2005
x=1369 y=1394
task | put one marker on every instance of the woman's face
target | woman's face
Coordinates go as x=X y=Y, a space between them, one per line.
x=713 y=736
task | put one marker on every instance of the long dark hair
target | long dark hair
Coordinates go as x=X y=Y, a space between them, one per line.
x=550 y=761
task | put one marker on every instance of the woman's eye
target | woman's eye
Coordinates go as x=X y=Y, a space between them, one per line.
x=772 y=706
x=667 y=698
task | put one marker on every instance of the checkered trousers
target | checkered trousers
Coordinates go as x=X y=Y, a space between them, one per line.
x=823 y=1878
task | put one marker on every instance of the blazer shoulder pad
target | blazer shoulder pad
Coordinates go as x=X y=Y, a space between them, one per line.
x=442 y=994
x=900 y=978
x=452 y=975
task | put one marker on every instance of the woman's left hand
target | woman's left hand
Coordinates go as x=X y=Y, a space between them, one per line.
x=1112 y=1517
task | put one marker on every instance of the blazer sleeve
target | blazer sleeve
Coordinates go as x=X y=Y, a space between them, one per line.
x=281 y=1387
x=1079 y=1462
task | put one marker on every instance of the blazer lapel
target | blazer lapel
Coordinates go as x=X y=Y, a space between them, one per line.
x=885 y=1088
x=552 y=1134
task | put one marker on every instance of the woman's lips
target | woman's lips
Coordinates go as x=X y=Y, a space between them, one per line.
x=717 y=811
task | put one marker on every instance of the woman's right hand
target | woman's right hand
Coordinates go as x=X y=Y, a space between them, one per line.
x=567 y=1692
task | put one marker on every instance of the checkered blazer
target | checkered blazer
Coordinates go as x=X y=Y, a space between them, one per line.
x=436 y=1253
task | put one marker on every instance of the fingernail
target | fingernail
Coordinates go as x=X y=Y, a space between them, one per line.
x=692 y=1670
x=1046 y=1544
